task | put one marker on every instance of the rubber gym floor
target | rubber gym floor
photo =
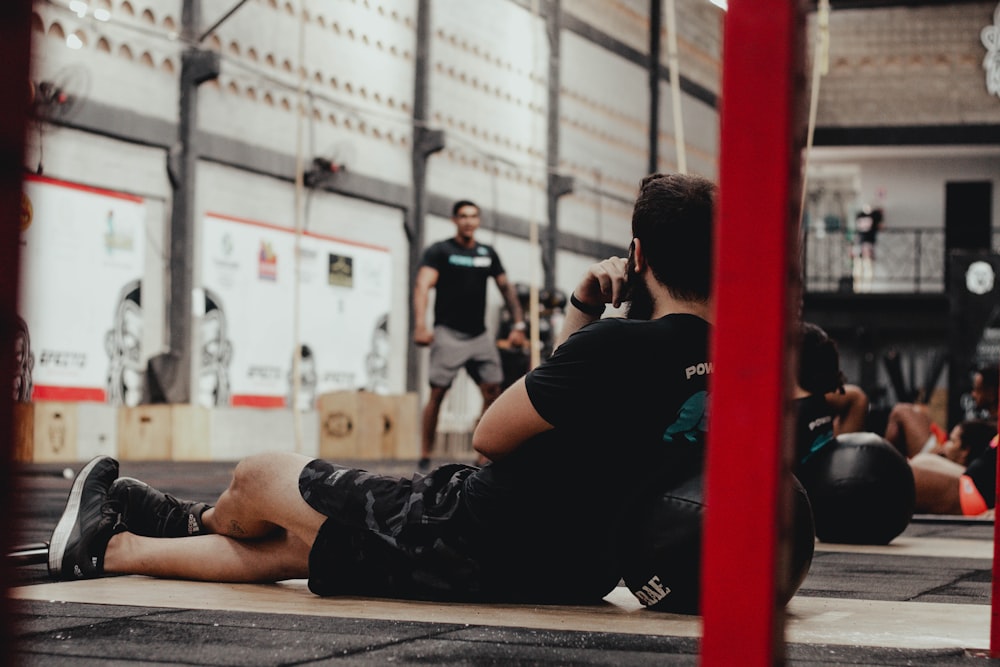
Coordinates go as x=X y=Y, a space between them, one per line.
x=922 y=600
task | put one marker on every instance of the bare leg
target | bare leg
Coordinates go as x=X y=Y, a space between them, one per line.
x=908 y=429
x=264 y=531
x=263 y=497
x=428 y=431
x=209 y=557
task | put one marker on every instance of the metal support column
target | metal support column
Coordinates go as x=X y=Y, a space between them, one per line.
x=425 y=143
x=556 y=185
x=197 y=66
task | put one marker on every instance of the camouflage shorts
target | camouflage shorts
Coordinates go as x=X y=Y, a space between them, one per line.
x=390 y=536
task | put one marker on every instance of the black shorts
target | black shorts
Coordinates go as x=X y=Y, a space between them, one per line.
x=389 y=536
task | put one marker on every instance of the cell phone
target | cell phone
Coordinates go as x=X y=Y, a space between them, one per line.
x=629 y=272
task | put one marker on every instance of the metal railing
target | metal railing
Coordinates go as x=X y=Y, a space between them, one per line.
x=906 y=261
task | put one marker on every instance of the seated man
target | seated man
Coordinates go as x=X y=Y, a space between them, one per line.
x=912 y=431
x=960 y=477
x=619 y=406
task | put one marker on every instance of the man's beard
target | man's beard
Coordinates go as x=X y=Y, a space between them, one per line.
x=640 y=305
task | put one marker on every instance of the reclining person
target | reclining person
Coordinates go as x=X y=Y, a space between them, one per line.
x=620 y=405
x=912 y=431
x=960 y=476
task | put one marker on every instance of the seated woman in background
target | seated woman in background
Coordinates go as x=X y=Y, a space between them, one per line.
x=958 y=477
x=826 y=406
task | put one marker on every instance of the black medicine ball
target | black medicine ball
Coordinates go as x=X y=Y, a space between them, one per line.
x=660 y=549
x=861 y=489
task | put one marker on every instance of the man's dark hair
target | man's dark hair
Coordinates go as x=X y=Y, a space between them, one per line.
x=460 y=203
x=976 y=436
x=673 y=219
x=819 y=361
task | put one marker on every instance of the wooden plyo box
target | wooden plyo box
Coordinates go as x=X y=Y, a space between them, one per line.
x=164 y=433
x=63 y=431
x=365 y=425
x=45 y=432
x=407 y=441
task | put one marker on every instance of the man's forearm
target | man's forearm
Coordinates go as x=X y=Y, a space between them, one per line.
x=513 y=303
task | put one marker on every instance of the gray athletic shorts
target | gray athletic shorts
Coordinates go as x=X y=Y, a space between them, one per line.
x=453 y=350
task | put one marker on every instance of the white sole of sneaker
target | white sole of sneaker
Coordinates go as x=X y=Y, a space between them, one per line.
x=60 y=536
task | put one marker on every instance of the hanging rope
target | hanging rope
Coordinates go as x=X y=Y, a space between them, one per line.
x=675 y=87
x=533 y=314
x=821 y=65
x=299 y=223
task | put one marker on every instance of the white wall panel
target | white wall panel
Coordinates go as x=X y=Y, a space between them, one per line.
x=231 y=192
x=131 y=61
x=487 y=92
x=912 y=183
x=603 y=138
x=358 y=88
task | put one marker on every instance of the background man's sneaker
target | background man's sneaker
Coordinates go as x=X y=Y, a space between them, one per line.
x=78 y=543
x=146 y=511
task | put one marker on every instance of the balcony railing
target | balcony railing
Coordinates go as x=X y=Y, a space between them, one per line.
x=906 y=261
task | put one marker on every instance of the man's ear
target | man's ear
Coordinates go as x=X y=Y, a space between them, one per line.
x=638 y=258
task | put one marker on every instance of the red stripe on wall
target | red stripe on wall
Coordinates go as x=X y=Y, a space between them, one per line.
x=84 y=188
x=279 y=228
x=252 y=401
x=51 y=393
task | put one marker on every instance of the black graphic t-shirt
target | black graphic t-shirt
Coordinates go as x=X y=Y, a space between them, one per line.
x=813 y=427
x=628 y=400
x=460 y=293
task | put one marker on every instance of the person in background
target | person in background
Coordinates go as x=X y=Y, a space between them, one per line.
x=959 y=477
x=458 y=270
x=985 y=393
x=867 y=224
x=911 y=430
x=825 y=405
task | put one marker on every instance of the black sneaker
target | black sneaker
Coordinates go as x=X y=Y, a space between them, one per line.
x=77 y=545
x=424 y=464
x=146 y=511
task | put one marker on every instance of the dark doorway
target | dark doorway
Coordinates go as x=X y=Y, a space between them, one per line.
x=968 y=217
x=968 y=213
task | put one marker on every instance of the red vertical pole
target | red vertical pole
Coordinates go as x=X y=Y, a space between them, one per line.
x=995 y=585
x=756 y=281
x=15 y=50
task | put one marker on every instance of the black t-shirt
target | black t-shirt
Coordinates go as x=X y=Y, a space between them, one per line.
x=460 y=293
x=813 y=427
x=628 y=402
x=983 y=471
x=868 y=225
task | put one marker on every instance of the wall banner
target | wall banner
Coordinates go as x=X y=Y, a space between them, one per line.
x=80 y=298
x=247 y=332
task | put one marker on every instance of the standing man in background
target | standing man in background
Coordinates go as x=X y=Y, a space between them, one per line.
x=458 y=270
x=867 y=224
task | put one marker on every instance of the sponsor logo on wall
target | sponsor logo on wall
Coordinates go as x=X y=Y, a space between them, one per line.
x=341 y=272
